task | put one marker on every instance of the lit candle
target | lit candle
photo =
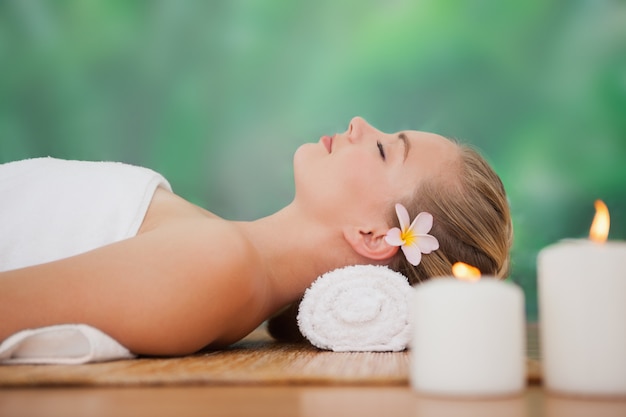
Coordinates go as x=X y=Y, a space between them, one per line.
x=582 y=310
x=468 y=337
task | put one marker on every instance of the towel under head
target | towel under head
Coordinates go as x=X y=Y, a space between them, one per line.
x=357 y=308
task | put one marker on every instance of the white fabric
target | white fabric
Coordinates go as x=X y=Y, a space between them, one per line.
x=52 y=209
x=357 y=308
x=66 y=344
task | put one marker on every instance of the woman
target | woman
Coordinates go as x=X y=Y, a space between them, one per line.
x=189 y=279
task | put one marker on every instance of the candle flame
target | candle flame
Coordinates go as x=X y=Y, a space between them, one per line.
x=600 y=226
x=465 y=272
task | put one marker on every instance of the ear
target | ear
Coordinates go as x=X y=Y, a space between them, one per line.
x=369 y=243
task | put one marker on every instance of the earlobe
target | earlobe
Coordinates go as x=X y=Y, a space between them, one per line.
x=370 y=244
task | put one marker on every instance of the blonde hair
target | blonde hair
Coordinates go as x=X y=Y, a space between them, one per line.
x=472 y=220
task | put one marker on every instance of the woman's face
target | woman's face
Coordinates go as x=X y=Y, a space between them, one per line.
x=354 y=175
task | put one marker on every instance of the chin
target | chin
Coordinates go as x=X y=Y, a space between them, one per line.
x=299 y=162
x=305 y=169
x=303 y=156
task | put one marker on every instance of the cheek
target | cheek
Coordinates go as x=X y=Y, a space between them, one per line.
x=361 y=181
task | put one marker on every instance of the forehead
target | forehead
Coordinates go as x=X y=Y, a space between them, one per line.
x=431 y=152
x=428 y=137
x=431 y=142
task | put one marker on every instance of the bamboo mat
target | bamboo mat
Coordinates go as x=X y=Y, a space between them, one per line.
x=254 y=360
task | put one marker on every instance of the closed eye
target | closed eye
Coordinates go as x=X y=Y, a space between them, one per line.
x=381 y=150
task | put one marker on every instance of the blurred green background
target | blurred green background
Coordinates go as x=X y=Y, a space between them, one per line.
x=217 y=95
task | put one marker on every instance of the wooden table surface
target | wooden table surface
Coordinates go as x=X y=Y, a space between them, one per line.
x=276 y=400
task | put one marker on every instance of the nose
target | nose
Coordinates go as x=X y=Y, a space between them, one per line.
x=357 y=128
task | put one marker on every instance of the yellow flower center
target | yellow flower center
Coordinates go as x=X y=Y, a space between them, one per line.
x=408 y=237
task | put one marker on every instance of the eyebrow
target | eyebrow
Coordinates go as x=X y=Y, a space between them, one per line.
x=407 y=144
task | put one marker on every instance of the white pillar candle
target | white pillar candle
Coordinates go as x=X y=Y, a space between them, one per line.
x=468 y=338
x=582 y=311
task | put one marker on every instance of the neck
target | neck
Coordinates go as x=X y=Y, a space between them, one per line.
x=294 y=250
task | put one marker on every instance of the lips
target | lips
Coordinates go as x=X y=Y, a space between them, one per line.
x=327 y=141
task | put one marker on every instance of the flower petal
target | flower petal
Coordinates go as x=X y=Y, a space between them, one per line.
x=422 y=223
x=412 y=254
x=403 y=216
x=427 y=243
x=394 y=237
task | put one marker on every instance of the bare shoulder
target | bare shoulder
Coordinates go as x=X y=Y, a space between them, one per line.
x=218 y=284
x=217 y=245
x=202 y=244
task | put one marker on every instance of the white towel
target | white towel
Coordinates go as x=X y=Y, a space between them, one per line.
x=67 y=344
x=52 y=208
x=357 y=308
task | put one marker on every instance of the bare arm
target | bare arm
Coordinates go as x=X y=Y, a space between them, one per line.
x=168 y=291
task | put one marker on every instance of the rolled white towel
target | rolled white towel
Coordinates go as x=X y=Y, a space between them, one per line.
x=357 y=308
x=64 y=344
